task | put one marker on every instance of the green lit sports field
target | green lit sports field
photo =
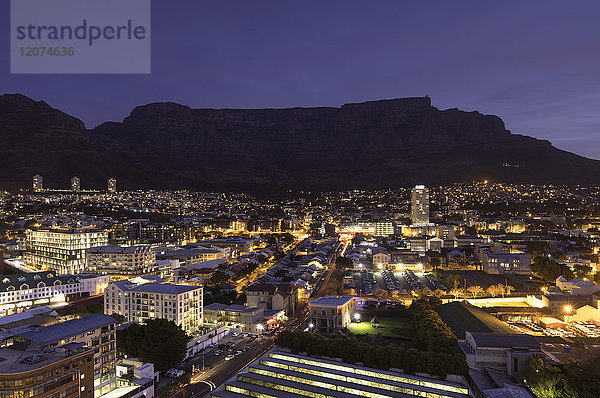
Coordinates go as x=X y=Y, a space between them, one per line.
x=389 y=327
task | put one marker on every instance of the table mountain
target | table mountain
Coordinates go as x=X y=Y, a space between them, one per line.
x=373 y=144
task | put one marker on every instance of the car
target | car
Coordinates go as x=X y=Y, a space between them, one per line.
x=245 y=348
x=235 y=334
x=238 y=352
x=175 y=373
x=218 y=352
x=229 y=357
x=212 y=345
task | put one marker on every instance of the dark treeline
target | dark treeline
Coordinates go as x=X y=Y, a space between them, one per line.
x=350 y=350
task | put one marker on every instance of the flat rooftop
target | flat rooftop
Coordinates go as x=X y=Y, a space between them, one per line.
x=282 y=374
x=13 y=361
x=332 y=301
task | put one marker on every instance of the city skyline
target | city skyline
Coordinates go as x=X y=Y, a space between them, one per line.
x=323 y=199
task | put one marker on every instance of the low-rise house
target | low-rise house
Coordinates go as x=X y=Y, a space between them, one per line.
x=242 y=317
x=331 y=313
x=273 y=297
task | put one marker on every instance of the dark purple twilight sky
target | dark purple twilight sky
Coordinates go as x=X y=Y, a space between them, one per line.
x=536 y=64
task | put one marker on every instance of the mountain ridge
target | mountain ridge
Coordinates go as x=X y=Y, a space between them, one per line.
x=373 y=144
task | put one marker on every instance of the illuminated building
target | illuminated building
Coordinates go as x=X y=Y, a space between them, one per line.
x=21 y=291
x=92 y=339
x=270 y=296
x=384 y=228
x=420 y=205
x=29 y=370
x=506 y=352
x=62 y=249
x=117 y=260
x=75 y=184
x=181 y=304
x=332 y=313
x=38 y=183
x=112 y=185
x=237 y=316
x=282 y=374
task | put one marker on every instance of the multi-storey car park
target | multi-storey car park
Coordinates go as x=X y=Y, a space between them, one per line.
x=285 y=375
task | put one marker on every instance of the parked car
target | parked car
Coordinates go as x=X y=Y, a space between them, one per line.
x=228 y=357
x=175 y=373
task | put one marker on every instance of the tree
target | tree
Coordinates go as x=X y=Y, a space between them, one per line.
x=218 y=277
x=30 y=223
x=159 y=341
x=475 y=290
x=493 y=290
x=380 y=293
x=439 y=293
x=120 y=318
x=501 y=289
x=343 y=262
x=508 y=289
x=581 y=270
x=549 y=269
x=454 y=280
x=457 y=292
x=580 y=346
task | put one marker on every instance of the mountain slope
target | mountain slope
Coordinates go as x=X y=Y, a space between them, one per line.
x=368 y=145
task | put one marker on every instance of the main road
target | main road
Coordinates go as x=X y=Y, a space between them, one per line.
x=201 y=384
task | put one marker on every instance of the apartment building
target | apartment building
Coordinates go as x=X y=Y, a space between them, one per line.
x=29 y=370
x=384 y=228
x=38 y=183
x=112 y=185
x=75 y=184
x=118 y=260
x=196 y=255
x=62 y=250
x=92 y=337
x=181 y=304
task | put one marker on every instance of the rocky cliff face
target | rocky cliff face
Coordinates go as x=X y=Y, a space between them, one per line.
x=368 y=145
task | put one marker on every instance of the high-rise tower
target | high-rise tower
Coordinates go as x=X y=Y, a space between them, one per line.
x=420 y=205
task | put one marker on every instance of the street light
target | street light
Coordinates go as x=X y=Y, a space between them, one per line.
x=568 y=309
x=310 y=325
x=357 y=317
